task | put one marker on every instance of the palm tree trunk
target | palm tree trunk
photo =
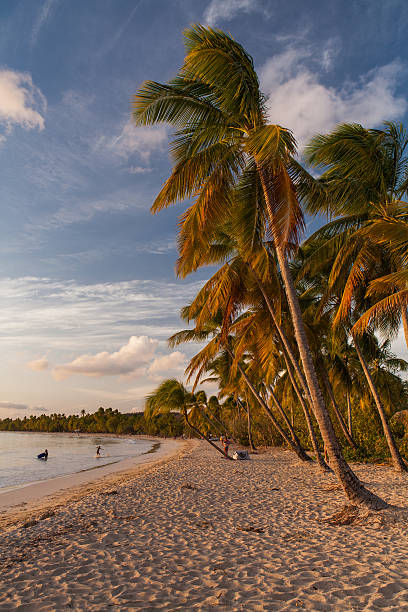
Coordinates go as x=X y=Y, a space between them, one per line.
x=298 y=449
x=338 y=414
x=352 y=486
x=282 y=336
x=201 y=435
x=220 y=424
x=249 y=423
x=281 y=411
x=397 y=461
x=349 y=417
x=404 y=316
x=319 y=458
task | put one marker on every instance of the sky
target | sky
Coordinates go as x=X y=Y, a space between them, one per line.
x=88 y=293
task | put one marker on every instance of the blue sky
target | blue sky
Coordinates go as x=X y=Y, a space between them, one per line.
x=88 y=292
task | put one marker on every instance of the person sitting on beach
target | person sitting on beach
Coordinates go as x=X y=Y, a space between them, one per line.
x=98 y=451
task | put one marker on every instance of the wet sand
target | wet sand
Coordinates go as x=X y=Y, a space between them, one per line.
x=197 y=532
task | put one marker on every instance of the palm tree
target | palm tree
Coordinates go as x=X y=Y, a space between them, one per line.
x=391 y=290
x=222 y=134
x=364 y=178
x=172 y=396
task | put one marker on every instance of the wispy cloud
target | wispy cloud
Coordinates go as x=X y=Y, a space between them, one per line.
x=63 y=318
x=21 y=102
x=131 y=139
x=224 y=10
x=42 y=17
x=13 y=409
x=84 y=209
x=113 y=41
x=4 y=405
x=139 y=170
x=38 y=365
x=298 y=98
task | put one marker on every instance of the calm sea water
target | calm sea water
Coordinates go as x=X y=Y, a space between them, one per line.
x=68 y=453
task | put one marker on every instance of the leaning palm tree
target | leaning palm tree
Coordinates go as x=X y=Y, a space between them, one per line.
x=223 y=134
x=172 y=396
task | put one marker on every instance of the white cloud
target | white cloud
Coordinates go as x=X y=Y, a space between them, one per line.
x=38 y=365
x=168 y=365
x=224 y=10
x=297 y=98
x=128 y=360
x=21 y=102
x=134 y=139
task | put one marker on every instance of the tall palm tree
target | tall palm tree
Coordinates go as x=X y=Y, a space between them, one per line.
x=364 y=178
x=222 y=133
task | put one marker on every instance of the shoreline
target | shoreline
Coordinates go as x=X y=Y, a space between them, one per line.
x=195 y=532
x=16 y=505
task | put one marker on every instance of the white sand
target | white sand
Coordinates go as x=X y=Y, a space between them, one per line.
x=202 y=533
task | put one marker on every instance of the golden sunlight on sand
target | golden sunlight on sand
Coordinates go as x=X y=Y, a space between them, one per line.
x=196 y=532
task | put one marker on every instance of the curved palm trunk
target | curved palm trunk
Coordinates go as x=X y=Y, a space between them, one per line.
x=207 y=418
x=340 y=419
x=352 y=486
x=298 y=449
x=251 y=444
x=398 y=462
x=319 y=458
x=249 y=425
x=247 y=411
x=404 y=316
x=202 y=436
x=220 y=423
x=282 y=336
x=349 y=415
x=281 y=411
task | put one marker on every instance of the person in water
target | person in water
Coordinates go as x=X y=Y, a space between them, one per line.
x=98 y=451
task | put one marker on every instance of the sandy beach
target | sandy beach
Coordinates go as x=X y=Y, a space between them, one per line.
x=193 y=531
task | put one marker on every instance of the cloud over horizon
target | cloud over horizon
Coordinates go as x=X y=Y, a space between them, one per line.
x=4 y=405
x=136 y=358
x=128 y=360
x=38 y=365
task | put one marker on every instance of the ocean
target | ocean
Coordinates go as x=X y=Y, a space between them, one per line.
x=68 y=453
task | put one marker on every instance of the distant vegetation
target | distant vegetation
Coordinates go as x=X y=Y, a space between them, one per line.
x=101 y=421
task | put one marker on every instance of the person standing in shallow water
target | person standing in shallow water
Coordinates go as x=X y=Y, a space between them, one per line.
x=98 y=451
